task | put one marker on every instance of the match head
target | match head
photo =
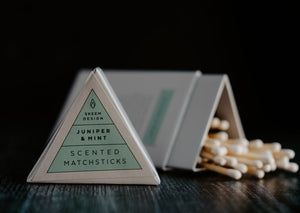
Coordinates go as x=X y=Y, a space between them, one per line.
x=235 y=149
x=260 y=173
x=223 y=136
x=257 y=143
x=258 y=164
x=212 y=142
x=267 y=157
x=215 y=123
x=283 y=162
x=231 y=161
x=219 y=150
x=224 y=125
x=241 y=167
x=244 y=141
x=219 y=160
x=275 y=147
x=234 y=174
x=267 y=167
x=288 y=152
x=293 y=167
x=273 y=166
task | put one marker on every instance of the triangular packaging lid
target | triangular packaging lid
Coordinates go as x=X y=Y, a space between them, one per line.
x=212 y=95
x=95 y=143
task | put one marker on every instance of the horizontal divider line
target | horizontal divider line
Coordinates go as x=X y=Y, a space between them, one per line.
x=92 y=124
x=110 y=144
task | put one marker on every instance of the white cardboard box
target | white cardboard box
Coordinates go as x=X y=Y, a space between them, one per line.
x=94 y=141
x=171 y=111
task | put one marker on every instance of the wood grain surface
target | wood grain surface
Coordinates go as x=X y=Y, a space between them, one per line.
x=180 y=191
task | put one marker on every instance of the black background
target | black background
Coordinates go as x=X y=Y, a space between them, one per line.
x=42 y=46
x=256 y=44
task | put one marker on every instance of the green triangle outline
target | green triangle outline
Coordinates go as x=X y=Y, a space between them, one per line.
x=85 y=102
x=125 y=143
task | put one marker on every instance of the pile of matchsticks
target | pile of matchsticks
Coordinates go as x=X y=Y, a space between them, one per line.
x=234 y=157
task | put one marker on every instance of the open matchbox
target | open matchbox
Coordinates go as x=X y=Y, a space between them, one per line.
x=171 y=110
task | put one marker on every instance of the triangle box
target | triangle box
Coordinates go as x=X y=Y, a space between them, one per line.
x=172 y=110
x=94 y=142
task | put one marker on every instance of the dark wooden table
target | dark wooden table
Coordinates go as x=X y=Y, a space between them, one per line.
x=180 y=191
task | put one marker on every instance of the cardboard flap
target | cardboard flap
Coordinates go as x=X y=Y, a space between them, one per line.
x=212 y=94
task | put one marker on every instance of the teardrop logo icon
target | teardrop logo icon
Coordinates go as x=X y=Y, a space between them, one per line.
x=92 y=103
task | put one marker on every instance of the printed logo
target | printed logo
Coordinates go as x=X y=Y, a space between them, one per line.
x=92 y=103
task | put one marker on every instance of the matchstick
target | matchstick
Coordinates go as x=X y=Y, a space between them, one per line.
x=273 y=166
x=223 y=136
x=292 y=167
x=285 y=164
x=236 y=149
x=217 y=150
x=252 y=157
x=274 y=147
x=212 y=142
x=241 y=167
x=230 y=161
x=250 y=162
x=282 y=162
x=285 y=152
x=218 y=124
x=215 y=123
x=259 y=173
x=239 y=141
x=256 y=144
x=264 y=157
x=233 y=173
x=267 y=167
x=216 y=159
x=224 y=125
